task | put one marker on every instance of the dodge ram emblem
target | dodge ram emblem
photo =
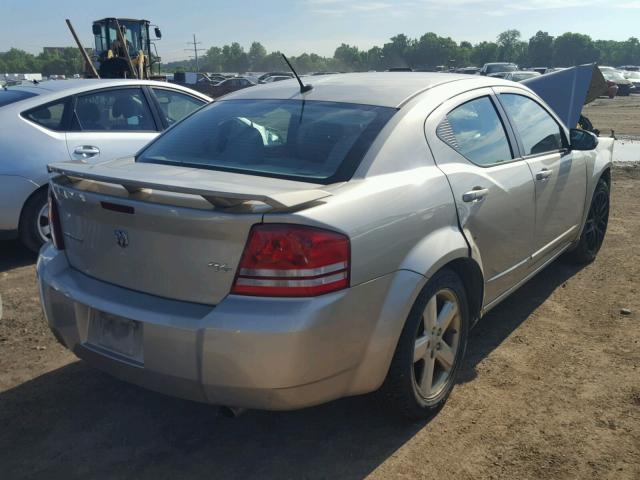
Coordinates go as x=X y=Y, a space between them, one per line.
x=122 y=238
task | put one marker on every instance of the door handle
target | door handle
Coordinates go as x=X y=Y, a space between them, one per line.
x=86 y=151
x=477 y=194
x=544 y=174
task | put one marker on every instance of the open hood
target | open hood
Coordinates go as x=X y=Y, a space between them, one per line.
x=566 y=91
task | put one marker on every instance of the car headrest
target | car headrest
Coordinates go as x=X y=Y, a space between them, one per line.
x=126 y=107
x=317 y=139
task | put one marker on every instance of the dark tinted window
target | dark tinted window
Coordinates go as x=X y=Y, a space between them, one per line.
x=49 y=115
x=475 y=130
x=538 y=130
x=310 y=141
x=175 y=105
x=123 y=109
x=501 y=67
x=12 y=96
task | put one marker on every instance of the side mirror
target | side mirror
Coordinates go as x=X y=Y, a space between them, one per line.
x=96 y=29
x=157 y=32
x=582 y=140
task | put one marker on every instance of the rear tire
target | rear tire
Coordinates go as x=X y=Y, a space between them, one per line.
x=595 y=227
x=430 y=349
x=34 y=223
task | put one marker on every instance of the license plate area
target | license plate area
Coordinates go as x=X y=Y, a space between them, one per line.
x=116 y=336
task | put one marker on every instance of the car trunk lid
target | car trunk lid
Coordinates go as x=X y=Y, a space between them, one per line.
x=175 y=232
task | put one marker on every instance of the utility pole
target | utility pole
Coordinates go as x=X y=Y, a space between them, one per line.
x=195 y=51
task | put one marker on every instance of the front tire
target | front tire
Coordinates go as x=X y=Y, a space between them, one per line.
x=430 y=349
x=595 y=228
x=34 y=227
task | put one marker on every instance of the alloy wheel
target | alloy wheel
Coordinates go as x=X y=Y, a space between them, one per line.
x=42 y=224
x=436 y=344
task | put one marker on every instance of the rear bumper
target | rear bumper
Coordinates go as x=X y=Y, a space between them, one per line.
x=265 y=353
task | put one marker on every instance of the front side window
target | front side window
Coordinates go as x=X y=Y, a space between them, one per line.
x=122 y=110
x=475 y=130
x=49 y=116
x=175 y=105
x=308 y=141
x=538 y=130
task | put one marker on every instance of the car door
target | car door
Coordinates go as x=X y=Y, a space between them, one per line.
x=560 y=175
x=175 y=105
x=492 y=187
x=110 y=123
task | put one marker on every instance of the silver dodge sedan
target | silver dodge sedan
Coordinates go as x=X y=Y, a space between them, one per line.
x=284 y=247
x=79 y=120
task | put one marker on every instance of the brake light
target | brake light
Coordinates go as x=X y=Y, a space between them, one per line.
x=54 y=223
x=281 y=260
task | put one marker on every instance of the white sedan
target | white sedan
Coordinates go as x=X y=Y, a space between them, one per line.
x=79 y=120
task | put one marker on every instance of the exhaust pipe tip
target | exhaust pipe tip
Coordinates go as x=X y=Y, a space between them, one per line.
x=232 y=412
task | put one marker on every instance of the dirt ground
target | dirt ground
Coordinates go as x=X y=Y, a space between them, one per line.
x=619 y=114
x=550 y=390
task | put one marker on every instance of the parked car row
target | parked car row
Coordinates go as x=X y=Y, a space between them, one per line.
x=211 y=84
x=614 y=76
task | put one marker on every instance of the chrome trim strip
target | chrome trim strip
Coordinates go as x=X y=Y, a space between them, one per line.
x=305 y=272
x=509 y=270
x=504 y=295
x=553 y=243
x=308 y=282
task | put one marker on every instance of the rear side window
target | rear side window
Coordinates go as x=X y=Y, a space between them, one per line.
x=122 y=110
x=475 y=130
x=174 y=105
x=310 y=141
x=538 y=130
x=11 y=96
x=49 y=116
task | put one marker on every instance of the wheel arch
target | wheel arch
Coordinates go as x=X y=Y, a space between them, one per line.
x=606 y=176
x=407 y=286
x=26 y=200
x=471 y=276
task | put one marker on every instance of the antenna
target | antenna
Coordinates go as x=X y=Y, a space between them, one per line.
x=303 y=88
x=195 y=51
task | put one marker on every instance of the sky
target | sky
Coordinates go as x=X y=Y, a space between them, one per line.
x=317 y=26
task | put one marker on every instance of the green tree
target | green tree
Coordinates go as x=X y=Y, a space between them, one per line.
x=541 y=49
x=348 y=58
x=571 y=49
x=375 y=59
x=256 y=54
x=432 y=50
x=508 y=45
x=212 y=60
x=235 y=58
x=484 y=52
x=398 y=51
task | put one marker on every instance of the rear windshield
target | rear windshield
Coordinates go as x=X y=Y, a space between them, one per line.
x=12 y=96
x=310 y=141
x=501 y=67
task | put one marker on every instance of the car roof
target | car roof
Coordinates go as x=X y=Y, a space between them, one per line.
x=57 y=88
x=387 y=89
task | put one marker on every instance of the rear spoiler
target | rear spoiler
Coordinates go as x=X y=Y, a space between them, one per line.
x=210 y=185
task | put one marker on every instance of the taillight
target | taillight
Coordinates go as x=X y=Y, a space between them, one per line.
x=54 y=223
x=282 y=260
